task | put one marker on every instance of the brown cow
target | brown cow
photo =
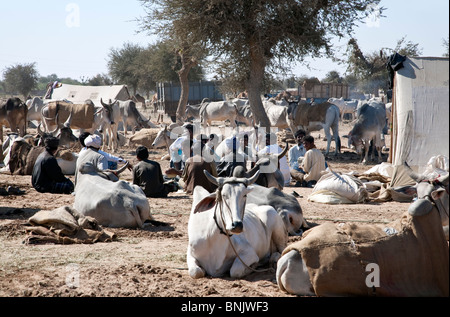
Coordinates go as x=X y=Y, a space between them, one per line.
x=314 y=117
x=83 y=116
x=14 y=112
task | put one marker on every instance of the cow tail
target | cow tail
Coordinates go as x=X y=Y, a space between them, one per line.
x=338 y=144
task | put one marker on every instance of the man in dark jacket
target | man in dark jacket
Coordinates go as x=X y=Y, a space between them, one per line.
x=47 y=176
x=147 y=174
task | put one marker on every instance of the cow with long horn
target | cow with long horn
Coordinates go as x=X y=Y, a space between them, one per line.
x=228 y=235
x=269 y=165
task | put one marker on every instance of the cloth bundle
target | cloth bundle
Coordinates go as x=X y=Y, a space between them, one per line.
x=65 y=225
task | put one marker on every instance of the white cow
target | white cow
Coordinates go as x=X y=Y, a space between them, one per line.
x=225 y=232
x=369 y=126
x=112 y=203
x=207 y=112
x=344 y=106
x=277 y=113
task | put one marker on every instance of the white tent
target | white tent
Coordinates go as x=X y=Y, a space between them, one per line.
x=420 y=112
x=79 y=94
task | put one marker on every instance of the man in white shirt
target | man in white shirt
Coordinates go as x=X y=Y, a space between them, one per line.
x=313 y=163
x=180 y=149
x=296 y=152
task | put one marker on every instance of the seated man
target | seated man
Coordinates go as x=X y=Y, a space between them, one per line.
x=232 y=159
x=313 y=163
x=272 y=147
x=192 y=174
x=147 y=174
x=178 y=152
x=47 y=176
x=112 y=160
x=296 y=152
x=91 y=154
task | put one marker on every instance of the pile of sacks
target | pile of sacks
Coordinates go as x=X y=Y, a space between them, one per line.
x=65 y=225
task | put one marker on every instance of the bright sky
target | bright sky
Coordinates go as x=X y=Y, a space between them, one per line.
x=73 y=38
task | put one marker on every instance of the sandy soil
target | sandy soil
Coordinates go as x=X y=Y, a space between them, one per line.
x=148 y=262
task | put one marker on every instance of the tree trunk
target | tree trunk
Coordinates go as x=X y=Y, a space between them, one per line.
x=187 y=63
x=255 y=87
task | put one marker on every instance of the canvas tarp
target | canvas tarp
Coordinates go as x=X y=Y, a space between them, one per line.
x=420 y=115
x=65 y=225
x=79 y=94
x=410 y=252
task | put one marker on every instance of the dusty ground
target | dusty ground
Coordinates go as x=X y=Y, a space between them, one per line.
x=148 y=262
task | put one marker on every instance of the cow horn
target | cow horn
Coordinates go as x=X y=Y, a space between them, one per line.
x=120 y=170
x=416 y=177
x=39 y=130
x=103 y=104
x=252 y=179
x=117 y=172
x=283 y=153
x=218 y=181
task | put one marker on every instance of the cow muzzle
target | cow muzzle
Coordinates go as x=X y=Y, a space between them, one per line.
x=236 y=227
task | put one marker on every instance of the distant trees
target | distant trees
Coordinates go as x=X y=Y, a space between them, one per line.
x=123 y=65
x=445 y=44
x=141 y=68
x=20 y=78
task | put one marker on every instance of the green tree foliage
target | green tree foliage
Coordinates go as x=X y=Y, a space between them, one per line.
x=257 y=36
x=141 y=68
x=123 y=65
x=20 y=78
x=99 y=80
x=333 y=77
x=43 y=81
x=370 y=69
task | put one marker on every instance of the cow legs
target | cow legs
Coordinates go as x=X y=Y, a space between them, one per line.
x=328 y=136
x=366 y=153
x=292 y=275
x=337 y=140
x=248 y=256
x=195 y=271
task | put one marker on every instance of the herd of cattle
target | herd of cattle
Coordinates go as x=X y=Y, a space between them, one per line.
x=246 y=222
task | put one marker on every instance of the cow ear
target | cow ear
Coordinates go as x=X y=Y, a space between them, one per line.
x=205 y=204
x=438 y=193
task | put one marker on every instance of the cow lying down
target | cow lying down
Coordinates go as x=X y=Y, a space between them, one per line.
x=224 y=231
x=112 y=203
x=408 y=257
x=286 y=205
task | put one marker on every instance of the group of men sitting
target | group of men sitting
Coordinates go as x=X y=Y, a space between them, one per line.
x=190 y=157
